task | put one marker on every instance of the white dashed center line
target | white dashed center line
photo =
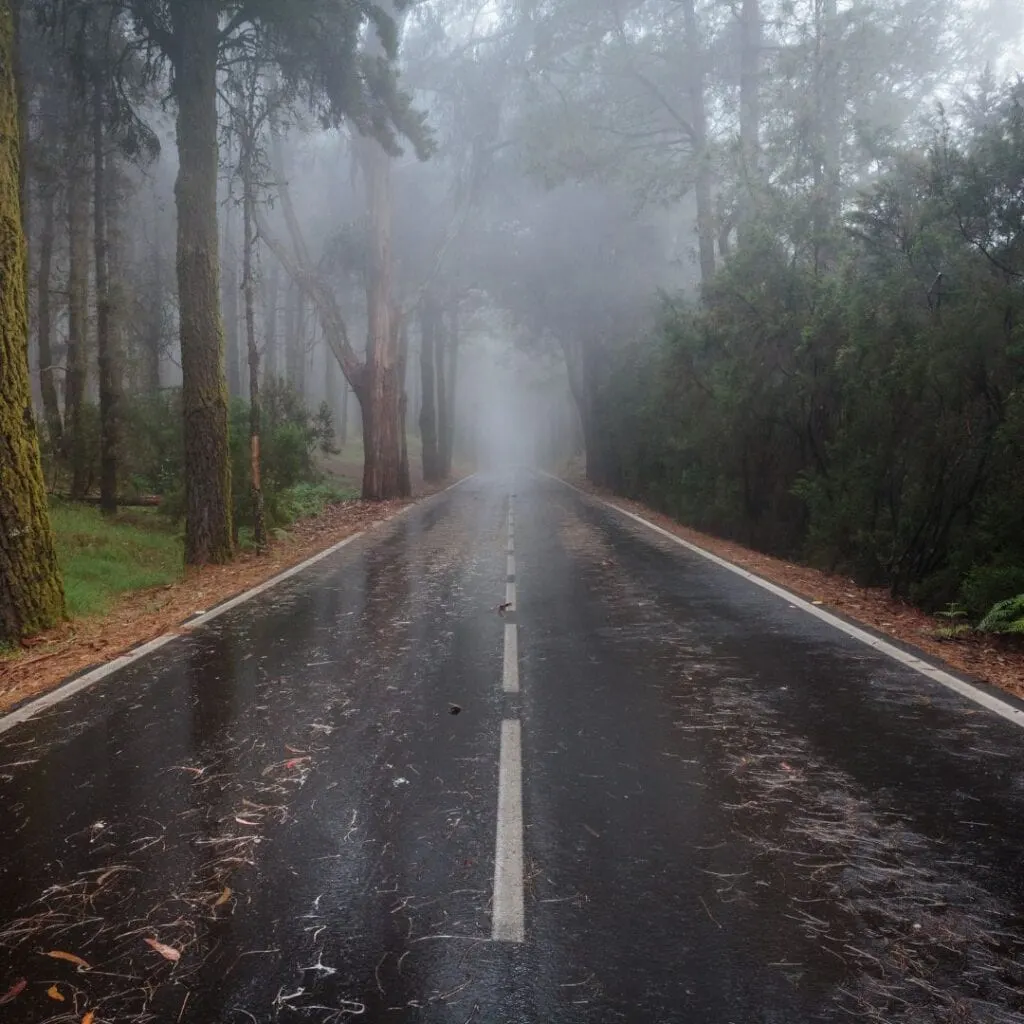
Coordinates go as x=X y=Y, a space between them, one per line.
x=508 y=922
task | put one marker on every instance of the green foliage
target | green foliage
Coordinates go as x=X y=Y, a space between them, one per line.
x=867 y=416
x=1006 y=617
x=101 y=559
x=307 y=500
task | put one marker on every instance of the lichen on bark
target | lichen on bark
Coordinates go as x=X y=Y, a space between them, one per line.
x=31 y=594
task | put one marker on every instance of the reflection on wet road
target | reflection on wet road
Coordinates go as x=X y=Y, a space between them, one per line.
x=513 y=759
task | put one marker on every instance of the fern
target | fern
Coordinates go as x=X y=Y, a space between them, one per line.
x=1005 y=617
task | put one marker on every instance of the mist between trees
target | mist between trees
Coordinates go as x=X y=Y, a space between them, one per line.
x=760 y=261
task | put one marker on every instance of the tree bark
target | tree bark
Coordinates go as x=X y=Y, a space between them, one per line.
x=295 y=341
x=76 y=369
x=704 y=171
x=230 y=290
x=441 y=383
x=44 y=317
x=750 y=116
x=382 y=387
x=270 y=301
x=154 y=333
x=31 y=595
x=451 y=389
x=829 y=130
x=428 y=409
x=404 y=475
x=255 y=408
x=204 y=389
x=107 y=356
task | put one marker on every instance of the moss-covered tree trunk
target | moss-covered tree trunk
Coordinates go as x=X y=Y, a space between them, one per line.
x=204 y=389
x=31 y=595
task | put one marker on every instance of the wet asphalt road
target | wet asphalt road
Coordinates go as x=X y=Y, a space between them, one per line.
x=730 y=811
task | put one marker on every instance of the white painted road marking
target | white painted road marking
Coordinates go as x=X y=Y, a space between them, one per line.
x=510 y=669
x=510 y=596
x=986 y=700
x=62 y=693
x=511 y=565
x=508 y=922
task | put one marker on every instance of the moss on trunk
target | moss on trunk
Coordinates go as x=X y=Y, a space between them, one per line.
x=204 y=388
x=31 y=595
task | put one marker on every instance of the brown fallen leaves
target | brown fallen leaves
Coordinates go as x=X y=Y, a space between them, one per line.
x=167 y=952
x=59 y=954
x=14 y=991
x=997 y=661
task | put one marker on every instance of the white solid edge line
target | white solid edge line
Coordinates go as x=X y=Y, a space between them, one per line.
x=62 y=693
x=510 y=596
x=937 y=675
x=508 y=917
x=510 y=664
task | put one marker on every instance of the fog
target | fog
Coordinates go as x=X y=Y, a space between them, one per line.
x=520 y=203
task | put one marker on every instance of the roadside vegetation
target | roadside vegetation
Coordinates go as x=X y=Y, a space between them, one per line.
x=863 y=413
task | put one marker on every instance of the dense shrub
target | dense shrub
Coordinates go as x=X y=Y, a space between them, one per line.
x=868 y=416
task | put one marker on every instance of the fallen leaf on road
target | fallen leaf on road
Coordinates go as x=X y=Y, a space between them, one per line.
x=223 y=897
x=89 y=1017
x=251 y=824
x=167 y=952
x=14 y=991
x=54 y=993
x=787 y=767
x=59 y=954
x=295 y=761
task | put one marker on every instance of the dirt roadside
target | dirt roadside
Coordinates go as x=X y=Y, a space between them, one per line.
x=143 y=615
x=997 y=661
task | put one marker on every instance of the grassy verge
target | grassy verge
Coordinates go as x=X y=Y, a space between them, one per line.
x=103 y=559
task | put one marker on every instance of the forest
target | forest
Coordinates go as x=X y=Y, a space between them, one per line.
x=761 y=262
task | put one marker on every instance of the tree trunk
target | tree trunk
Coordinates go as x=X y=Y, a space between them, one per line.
x=204 y=389
x=154 y=334
x=295 y=341
x=76 y=371
x=382 y=387
x=255 y=409
x=230 y=290
x=343 y=408
x=750 y=116
x=271 y=298
x=451 y=389
x=428 y=410
x=31 y=595
x=829 y=132
x=704 y=171
x=404 y=475
x=44 y=317
x=441 y=382
x=107 y=357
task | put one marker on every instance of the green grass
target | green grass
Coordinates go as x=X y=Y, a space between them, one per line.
x=103 y=559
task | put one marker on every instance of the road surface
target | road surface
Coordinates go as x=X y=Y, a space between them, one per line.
x=646 y=791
